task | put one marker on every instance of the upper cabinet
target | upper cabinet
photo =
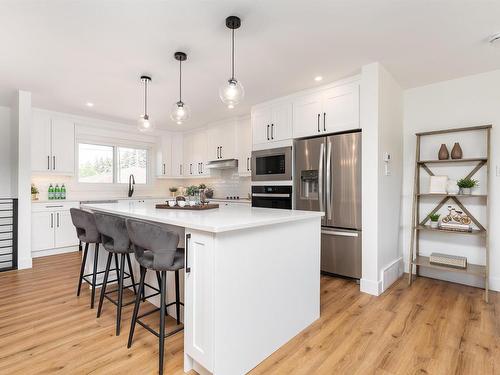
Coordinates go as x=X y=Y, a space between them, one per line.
x=331 y=110
x=221 y=140
x=272 y=123
x=244 y=146
x=164 y=156
x=177 y=155
x=195 y=153
x=52 y=144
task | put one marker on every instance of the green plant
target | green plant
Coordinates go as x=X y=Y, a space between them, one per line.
x=34 y=189
x=467 y=183
x=202 y=186
x=192 y=190
x=172 y=189
x=434 y=217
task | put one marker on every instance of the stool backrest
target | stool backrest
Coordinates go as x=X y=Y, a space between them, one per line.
x=154 y=238
x=84 y=222
x=113 y=229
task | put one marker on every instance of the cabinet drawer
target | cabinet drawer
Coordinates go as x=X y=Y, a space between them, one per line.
x=54 y=206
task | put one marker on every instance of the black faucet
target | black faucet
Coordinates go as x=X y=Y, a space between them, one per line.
x=131 y=183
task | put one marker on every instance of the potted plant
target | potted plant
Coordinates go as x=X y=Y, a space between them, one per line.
x=192 y=190
x=173 y=190
x=202 y=186
x=434 y=220
x=34 y=192
x=466 y=185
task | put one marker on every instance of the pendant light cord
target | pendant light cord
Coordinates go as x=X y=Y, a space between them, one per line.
x=180 y=80
x=145 y=97
x=232 y=57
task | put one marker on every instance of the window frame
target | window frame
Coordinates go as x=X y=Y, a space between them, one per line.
x=115 y=145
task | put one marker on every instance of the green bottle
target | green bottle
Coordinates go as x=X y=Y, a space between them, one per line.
x=63 y=192
x=57 y=192
x=51 y=192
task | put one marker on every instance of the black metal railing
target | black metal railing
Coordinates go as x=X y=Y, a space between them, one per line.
x=8 y=234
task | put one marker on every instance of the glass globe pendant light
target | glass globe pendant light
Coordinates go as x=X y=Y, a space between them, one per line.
x=232 y=92
x=144 y=124
x=180 y=111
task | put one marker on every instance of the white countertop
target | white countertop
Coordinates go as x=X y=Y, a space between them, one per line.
x=217 y=220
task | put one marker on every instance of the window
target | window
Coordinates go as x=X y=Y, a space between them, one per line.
x=111 y=164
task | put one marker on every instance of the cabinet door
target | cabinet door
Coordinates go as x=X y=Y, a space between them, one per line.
x=41 y=160
x=213 y=142
x=199 y=298
x=163 y=156
x=227 y=133
x=199 y=152
x=281 y=122
x=244 y=146
x=261 y=124
x=63 y=146
x=307 y=116
x=188 y=154
x=177 y=155
x=65 y=233
x=42 y=230
x=341 y=108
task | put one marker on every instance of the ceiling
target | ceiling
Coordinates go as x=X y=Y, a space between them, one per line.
x=70 y=52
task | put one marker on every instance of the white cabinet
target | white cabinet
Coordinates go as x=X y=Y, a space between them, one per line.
x=177 y=155
x=163 y=156
x=195 y=153
x=272 y=123
x=331 y=110
x=53 y=144
x=221 y=140
x=244 y=146
x=51 y=226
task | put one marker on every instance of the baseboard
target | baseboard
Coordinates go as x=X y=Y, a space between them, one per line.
x=370 y=286
x=24 y=263
x=61 y=250
x=392 y=273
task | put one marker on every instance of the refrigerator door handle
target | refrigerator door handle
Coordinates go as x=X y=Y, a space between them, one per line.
x=320 y=177
x=329 y=180
x=339 y=233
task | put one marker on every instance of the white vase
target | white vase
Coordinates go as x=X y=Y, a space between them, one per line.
x=434 y=224
x=452 y=187
x=466 y=191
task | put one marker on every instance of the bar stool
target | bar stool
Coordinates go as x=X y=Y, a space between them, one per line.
x=115 y=240
x=87 y=232
x=156 y=249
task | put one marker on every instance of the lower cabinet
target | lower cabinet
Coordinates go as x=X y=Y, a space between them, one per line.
x=51 y=227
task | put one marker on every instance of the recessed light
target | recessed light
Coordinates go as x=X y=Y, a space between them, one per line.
x=494 y=39
x=318 y=78
x=90 y=104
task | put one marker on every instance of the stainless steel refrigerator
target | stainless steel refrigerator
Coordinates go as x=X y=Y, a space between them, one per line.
x=328 y=178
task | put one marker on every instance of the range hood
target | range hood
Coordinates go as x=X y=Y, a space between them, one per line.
x=223 y=164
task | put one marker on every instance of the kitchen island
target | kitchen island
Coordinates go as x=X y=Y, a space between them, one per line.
x=253 y=284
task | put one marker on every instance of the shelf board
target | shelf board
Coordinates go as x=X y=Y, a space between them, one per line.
x=428 y=228
x=452 y=195
x=452 y=161
x=472 y=269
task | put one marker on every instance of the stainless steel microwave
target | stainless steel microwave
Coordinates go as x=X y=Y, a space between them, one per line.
x=272 y=164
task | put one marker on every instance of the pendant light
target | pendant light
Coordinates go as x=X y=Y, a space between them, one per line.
x=180 y=111
x=144 y=124
x=232 y=92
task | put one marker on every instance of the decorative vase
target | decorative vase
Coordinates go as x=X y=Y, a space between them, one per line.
x=452 y=187
x=434 y=224
x=456 y=151
x=34 y=196
x=443 y=153
x=466 y=191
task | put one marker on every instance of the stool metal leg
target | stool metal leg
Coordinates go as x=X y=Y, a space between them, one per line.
x=80 y=246
x=82 y=268
x=117 y=267
x=136 y=307
x=162 y=318
x=120 y=295
x=177 y=298
x=94 y=276
x=104 y=284
x=131 y=272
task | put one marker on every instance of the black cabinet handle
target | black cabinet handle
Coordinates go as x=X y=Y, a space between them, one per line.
x=190 y=168
x=272 y=131
x=188 y=237
x=52 y=220
x=218 y=147
x=54 y=163
x=57 y=219
x=268 y=132
x=247 y=164
x=201 y=167
x=180 y=169
x=163 y=168
x=318 y=123
x=221 y=152
x=324 y=121
x=48 y=162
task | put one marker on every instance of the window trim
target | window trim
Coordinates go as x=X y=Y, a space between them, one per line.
x=115 y=145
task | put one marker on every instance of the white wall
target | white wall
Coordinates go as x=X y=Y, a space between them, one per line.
x=381 y=123
x=5 y=152
x=468 y=101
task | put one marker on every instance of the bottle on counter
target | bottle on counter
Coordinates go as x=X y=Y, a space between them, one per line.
x=63 y=192
x=51 y=192
x=57 y=192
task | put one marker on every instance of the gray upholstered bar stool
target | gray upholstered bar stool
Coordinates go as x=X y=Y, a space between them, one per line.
x=156 y=249
x=87 y=232
x=115 y=240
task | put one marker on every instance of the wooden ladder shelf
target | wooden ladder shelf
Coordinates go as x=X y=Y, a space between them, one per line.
x=417 y=260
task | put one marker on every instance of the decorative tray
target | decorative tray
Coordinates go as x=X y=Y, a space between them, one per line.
x=207 y=206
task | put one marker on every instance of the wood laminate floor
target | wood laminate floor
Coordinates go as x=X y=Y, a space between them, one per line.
x=433 y=327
